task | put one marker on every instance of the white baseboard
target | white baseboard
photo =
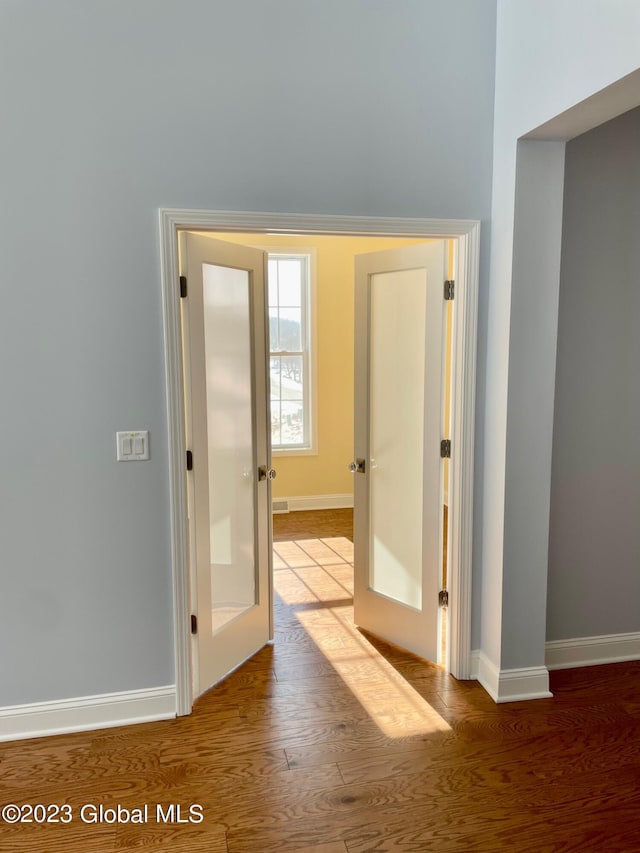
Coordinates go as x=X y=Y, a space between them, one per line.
x=518 y=685
x=306 y=502
x=87 y=713
x=486 y=672
x=297 y=504
x=510 y=685
x=591 y=651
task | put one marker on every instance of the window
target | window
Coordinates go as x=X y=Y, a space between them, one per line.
x=290 y=352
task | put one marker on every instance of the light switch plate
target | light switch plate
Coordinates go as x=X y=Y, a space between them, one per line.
x=132 y=445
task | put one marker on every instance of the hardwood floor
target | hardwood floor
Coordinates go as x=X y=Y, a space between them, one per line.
x=333 y=742
x=313 y=524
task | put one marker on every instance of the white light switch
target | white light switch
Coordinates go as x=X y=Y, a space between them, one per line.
x=132 y=445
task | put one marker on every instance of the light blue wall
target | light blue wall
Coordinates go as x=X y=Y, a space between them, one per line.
x=115 y=108
x=534 y=328
x=594 y=542
x=551 y=55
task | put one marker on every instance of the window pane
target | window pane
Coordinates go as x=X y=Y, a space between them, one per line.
x=275 y=423
x=288 y=333
x=274 y=373
x=274 y=330
x=397 y=376
x=292 y=423
x=289 y=281
x=290 y=330
x=291 y=378
x=227 y=341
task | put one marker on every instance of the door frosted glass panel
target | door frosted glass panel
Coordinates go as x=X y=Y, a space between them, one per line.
x=396 y=438
x=227 y=339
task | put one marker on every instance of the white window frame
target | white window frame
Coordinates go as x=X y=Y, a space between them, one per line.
x=310 y=334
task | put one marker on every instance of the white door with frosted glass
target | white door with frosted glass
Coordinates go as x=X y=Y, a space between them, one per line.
x=398 y=494
x=229 y=491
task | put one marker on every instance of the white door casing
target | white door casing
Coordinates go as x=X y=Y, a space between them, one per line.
x=226 y=420
x=466 y=234
x=399 y=401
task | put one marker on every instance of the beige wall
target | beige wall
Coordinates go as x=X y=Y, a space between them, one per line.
x=327 y=472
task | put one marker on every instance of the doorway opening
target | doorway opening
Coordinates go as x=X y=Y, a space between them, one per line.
x=311 y=323
x=260 y=226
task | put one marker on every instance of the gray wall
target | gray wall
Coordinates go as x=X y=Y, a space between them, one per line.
x=534 y=324
x=594 y=543
x=555 y=76
x=110 y=110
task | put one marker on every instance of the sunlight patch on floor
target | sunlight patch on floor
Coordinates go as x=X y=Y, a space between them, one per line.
x=316 y=571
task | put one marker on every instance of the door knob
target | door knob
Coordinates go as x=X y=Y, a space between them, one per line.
x=265 y=473
x=357 y=467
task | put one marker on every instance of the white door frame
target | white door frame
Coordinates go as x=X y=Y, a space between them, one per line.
x=463 y=381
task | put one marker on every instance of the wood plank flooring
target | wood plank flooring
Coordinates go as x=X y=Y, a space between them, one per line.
x=313 y=524
x=333 y=742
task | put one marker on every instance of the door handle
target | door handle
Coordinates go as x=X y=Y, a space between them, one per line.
x=357 y=467
x=265 y=473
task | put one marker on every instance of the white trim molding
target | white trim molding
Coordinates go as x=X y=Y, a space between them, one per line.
x=519 y=685
x=87 y=713
x=467 y=235
x=592 y=651
x=486 y=672
x=510 y=685
x=311 y=502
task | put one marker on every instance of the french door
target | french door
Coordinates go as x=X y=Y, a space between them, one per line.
x=229 y=484
x=399 y=403
x=398 y=493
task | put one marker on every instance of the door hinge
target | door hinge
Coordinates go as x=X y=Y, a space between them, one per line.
x=443 y=598
x=445 y=448
x=189 y=460
x=194 y=623
x=183 y=287
x=449 y=288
